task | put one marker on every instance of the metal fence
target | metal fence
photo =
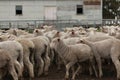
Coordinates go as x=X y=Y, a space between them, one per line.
x=31 y=24
x=111 y=21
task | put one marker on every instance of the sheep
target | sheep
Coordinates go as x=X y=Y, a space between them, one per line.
x=28 y=48
x=7 y=65
x=17 y=32
x=42 y=60
x=16 y=52
x=72 y=54
x=41 y=48
x=37 y=32
x=28 y=55
x=91 y=31
x=111 y=30
x=109 y=48
x=48 y=28
x=66 y=35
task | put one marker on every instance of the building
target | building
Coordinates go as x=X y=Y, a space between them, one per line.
x=51 y=10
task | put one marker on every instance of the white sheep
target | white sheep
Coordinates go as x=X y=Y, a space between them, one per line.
x=109 y=48
x=16 y=51
x=28 y=54
x=17 y=32
x=72 y=54
x=7 y=65
x=42 y=59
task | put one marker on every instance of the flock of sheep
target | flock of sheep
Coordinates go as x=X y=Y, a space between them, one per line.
x=34 y=53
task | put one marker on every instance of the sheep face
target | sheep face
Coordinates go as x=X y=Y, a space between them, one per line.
x=55 y=42
x=37 y=32
x=57 y=34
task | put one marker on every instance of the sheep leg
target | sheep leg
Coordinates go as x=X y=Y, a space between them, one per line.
x=52 y=54
x=20 y=60
x=90 y=70
x=41 y=66
x=13 y=72
x=2 y=74
x=98 y=59
x=59 y=63
x=73 y=69
x=74 y=74
x=18 y=67
x=93 y=66
x=47 y=60
x=68 y=66
x=32 y=59
x=117 y=65
x=29 y=65
x=47 y=64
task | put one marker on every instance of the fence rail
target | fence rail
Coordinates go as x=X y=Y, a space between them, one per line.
x=31 y=24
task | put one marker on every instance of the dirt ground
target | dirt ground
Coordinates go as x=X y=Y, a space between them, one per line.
x=108 y=71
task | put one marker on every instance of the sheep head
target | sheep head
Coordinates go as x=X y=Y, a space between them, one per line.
x=57 y=34
x=72 y=31
x=55 y=42
x=37 y=32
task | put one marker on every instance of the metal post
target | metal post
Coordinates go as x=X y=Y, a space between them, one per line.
x=35 y=24
x=10 y=25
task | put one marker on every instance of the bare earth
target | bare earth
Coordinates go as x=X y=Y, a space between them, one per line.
x=109 y=74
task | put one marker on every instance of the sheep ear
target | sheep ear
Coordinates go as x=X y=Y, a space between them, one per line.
x=9 y=36
x=81 y=41
x=42 y=27
x=73 y=32
x=58 y=39
x=58 y=32
x=36 y=31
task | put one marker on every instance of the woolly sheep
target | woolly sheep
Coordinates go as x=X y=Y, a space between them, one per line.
x=109 y=48
x=7 y=65
x=28 y=48
x=28 y=55
x=72 y=54
x=42 y=59
x=16 y=51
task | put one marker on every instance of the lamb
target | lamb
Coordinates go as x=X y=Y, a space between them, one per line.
x=16 y=52
x=17 y=32
x=28 y=55
x=42 y=51
x=109 y=48
x=72 y=54
x=72 y=33
x=47 y=28
x=42 y=60
x=7 y=65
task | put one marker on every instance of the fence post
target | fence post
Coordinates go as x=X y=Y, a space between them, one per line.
x=35 y=24
x=10 y=25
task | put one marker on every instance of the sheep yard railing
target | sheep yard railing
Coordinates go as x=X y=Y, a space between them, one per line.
x=31 y=24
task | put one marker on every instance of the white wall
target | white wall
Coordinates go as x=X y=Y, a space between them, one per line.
x=34 y=10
